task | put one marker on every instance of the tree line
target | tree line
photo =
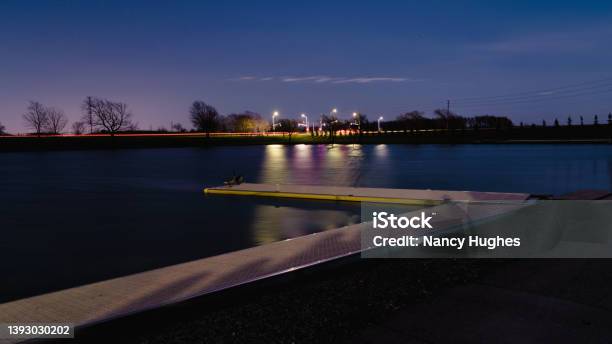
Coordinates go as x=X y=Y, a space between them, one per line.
x=101 y=115
x=205 y=118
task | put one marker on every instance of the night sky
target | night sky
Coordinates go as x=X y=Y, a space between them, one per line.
x=378 y=57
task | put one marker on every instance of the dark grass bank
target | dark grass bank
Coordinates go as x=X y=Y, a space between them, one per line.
x=587 y=134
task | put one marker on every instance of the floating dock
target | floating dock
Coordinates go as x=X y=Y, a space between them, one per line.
x=354 y=194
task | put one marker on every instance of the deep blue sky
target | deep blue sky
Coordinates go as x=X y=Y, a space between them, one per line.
x=378 y=57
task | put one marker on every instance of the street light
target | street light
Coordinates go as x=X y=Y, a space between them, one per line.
x=357 y=122
x=274 y=115
x=379 y=119
x=306 y=119
x=334 y=111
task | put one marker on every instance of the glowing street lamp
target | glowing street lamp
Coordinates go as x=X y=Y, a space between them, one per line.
x=274 y=115
x=357 y=122
x=379 y=119
x=334 y=111
x=306 y=121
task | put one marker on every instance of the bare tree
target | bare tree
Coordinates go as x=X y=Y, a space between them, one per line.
x=112 y=117
x=204 y=117
x=178 y=127
x=411 y=120
x=330 y=125
x=88 y=116
x=133 y=126
x=78 y=127
x=289 y=126
x=449 y=120
x=2 y=129
x=56 y=120
x=36 y=117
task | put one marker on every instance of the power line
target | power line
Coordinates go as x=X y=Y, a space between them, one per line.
x=523 y=101
x=543 y=95
x=576 y=86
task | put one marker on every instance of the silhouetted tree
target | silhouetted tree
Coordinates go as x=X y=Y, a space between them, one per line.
x=204 y=117
x=569 y=121
x=88 y=116
x=544 y=123
x=78 y=127
x=36 y=117
x=111 y=117
x=595 y=120
x=493 y=122
x=2 y=129
x=132 y=126
x=411 y=120
x=556 y=122
x=362 y=123
x=581 y=121
x=330 y=125
x=289 y=126
x=238 y=123
x=178 y=127
x=449 y=120
x=56 y=121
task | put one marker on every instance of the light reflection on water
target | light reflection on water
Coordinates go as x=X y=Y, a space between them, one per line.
x=273 y=223
x=541 y=169
x=312 y=164
x=306 y=165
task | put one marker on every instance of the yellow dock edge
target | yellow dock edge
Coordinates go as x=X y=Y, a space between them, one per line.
x=345 y=198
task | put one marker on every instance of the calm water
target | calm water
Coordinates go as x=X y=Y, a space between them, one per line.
x=69 y=218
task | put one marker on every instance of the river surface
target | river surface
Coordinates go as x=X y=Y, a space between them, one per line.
x=75 y=217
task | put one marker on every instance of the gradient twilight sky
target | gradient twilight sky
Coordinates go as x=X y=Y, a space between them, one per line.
x=376 y=57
